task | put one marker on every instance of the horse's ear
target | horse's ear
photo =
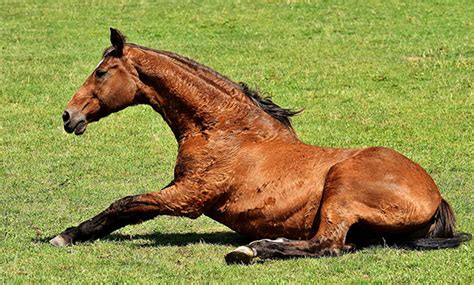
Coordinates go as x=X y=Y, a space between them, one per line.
x=118 y=40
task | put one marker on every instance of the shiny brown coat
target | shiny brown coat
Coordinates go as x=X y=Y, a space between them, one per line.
x=240 y=163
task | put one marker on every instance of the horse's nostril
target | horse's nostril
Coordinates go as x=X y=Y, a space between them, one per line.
x=66 y=116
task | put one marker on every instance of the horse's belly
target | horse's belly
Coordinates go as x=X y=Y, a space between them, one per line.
x=268 y=217
x=257 y=226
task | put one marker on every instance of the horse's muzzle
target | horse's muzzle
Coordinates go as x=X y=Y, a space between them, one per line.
x=74 y=121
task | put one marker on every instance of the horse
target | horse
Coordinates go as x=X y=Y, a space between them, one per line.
x=241 y=163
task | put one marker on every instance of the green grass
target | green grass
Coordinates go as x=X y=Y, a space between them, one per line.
x=397 y=74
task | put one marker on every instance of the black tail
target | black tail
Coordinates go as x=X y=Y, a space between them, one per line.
x=443 y=232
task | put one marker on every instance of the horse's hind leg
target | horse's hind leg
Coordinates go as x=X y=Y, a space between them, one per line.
x=336 y=218
x=282 y=248
x=270 y=249
x=329 y=241
x=337 y=215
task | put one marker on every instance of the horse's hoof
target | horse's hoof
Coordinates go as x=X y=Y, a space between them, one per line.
x=61 y=240
x=241 y=255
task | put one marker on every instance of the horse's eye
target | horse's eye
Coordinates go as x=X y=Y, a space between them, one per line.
x=100 y=73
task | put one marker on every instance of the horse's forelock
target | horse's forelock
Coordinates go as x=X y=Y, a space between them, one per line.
x=110 y=51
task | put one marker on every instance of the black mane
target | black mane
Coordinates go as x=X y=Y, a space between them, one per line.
x=265 y=103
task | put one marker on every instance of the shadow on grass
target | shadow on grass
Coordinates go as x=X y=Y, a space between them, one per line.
x=183 y=239
x=173 y=239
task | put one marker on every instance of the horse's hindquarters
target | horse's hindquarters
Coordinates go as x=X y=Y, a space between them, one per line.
x=380 y=189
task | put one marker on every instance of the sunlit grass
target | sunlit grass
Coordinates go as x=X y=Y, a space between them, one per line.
x=367 y=73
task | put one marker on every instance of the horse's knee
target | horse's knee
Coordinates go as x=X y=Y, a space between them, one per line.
x=136 y=208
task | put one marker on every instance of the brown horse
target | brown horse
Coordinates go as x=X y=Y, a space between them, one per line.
x=240 y=163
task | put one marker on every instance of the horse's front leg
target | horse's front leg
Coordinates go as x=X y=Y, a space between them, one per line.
x=173 y=201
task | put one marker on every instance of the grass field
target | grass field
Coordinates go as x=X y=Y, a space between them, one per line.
x=397 y=74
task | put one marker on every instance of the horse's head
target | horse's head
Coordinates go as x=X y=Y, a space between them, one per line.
x=112 y=86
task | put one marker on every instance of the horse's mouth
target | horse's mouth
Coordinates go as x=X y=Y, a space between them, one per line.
x=78 y=129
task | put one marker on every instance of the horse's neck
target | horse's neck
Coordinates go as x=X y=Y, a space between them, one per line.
x=194 y=101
